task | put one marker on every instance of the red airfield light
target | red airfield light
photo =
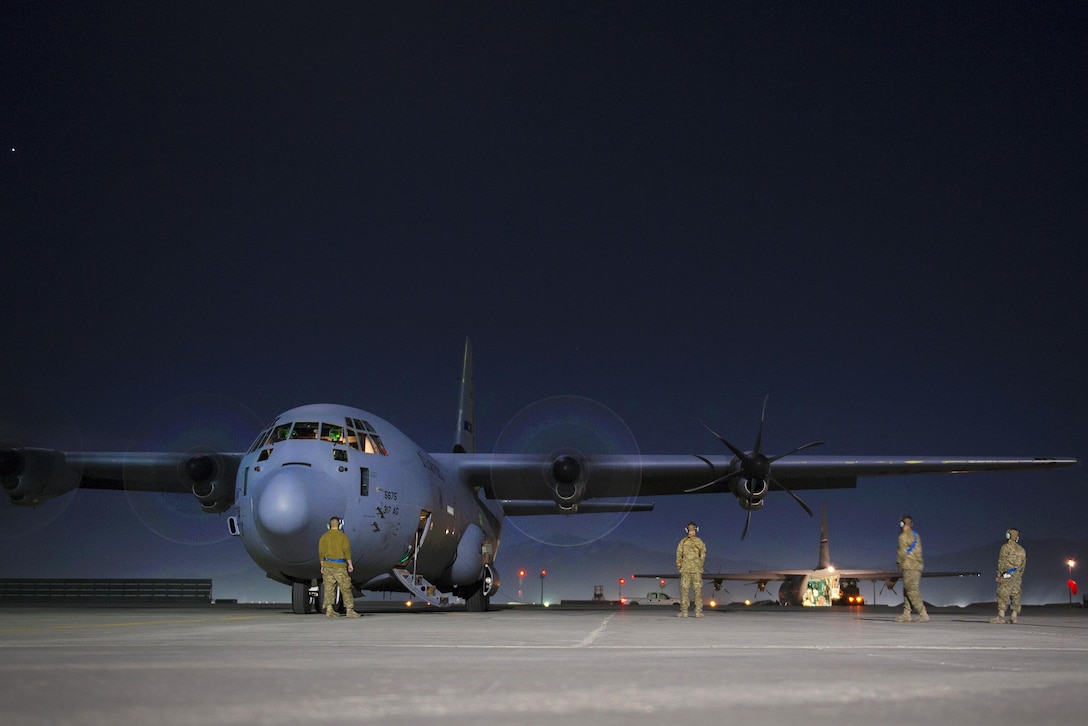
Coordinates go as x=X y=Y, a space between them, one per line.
x=1072 y=585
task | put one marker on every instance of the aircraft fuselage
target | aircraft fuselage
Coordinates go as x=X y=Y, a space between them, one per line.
x=400 y=507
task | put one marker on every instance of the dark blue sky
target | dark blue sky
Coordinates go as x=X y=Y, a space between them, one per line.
x=873 y=213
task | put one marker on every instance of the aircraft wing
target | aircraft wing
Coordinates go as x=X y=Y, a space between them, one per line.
x=526 y=483
x=780 y=575
x=541 y=483
x=896 y=574
x=31 y=475
x=750 y=576
x=531 y=477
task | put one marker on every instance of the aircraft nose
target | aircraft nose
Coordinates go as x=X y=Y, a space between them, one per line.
x=292 y=506
x=283 y=508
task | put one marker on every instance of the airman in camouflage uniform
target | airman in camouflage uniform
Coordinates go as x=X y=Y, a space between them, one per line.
x=334 y=554
x=909 y=560
x=1011 y=561
x=690 y=558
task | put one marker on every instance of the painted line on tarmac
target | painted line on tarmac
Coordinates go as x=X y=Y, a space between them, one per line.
x=92 y=626
x=693 y=647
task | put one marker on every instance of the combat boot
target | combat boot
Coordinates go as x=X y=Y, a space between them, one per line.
x=904 y=618
x=923 y=617
x=1000 y=619
x=352 y=613
x=682 y=614
x=329 y=612
x=1012 y=617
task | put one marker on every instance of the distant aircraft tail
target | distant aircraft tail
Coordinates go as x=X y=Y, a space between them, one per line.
x=465 y=442
x=825 y=551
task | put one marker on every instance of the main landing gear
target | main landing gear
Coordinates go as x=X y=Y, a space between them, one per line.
x=307 y=598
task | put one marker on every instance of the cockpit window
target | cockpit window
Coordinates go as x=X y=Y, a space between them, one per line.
x=279 y=433
x=260 y=440
x=330 y=432
x=305 y=430
x=356 y=433
x=351 y=435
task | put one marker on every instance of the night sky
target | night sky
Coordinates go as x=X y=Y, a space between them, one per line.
x=873 y=212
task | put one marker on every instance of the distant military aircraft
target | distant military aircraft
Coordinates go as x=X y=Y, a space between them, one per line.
x=426 y=523
x=825 y=585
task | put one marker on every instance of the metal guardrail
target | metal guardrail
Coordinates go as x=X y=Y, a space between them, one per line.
x=105 y=591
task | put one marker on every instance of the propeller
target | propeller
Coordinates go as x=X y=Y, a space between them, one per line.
x=567 y=430
x=754 y=467
x=30 y=418
x=202 y=425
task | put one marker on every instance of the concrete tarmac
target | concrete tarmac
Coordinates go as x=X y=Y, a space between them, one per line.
x=250 y=664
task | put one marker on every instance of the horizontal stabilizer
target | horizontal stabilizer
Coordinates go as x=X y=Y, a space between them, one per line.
x=527 y=508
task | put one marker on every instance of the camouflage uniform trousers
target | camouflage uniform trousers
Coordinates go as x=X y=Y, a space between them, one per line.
x=1009 y=590
x=912 y=596
x=333 y=577
x=691 y=581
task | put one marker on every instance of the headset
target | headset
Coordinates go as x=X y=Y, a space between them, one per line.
x=904 y=519
x=339 y=523
x=691 y=524
x=1009 y=531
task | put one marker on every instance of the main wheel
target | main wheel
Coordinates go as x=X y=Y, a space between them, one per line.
x=301 y=604
x=338 y=599
x=477 y=602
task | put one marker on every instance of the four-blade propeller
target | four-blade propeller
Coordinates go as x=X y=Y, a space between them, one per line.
x=754 y=472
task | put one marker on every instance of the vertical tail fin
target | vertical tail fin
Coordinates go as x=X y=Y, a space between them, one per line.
x=825 y=551
x=465 y=442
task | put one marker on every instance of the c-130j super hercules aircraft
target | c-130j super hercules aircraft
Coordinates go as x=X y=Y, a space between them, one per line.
x=428 y=523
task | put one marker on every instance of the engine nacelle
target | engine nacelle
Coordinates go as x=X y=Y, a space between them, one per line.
x=750 y=492
x=30 y=476
x=566 y=477
x=213 y=481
